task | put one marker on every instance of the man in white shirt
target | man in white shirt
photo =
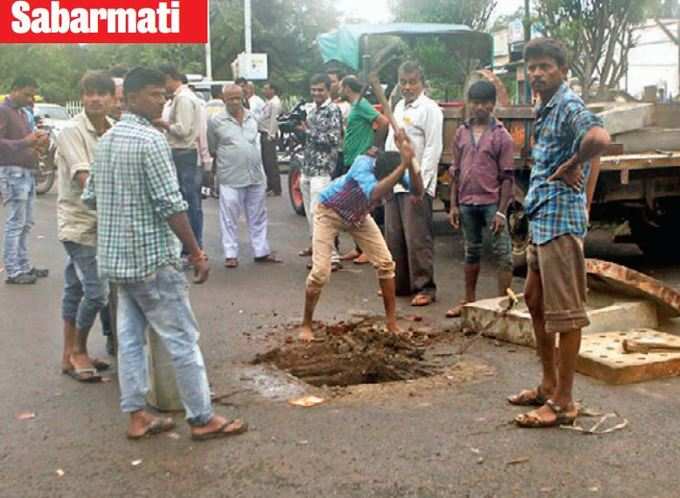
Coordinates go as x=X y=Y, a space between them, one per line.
x=255 y=102
x=182 y=127
x=408 y=221
x=269 y=130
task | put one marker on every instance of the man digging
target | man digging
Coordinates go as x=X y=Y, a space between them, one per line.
x=567 y=137
x=346 y=205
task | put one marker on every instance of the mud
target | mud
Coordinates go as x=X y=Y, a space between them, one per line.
x=359 y=351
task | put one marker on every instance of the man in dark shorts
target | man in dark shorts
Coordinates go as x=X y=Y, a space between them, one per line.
x=567 y=137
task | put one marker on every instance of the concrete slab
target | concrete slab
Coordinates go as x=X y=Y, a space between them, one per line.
x=602 y=357
x=606 y=313
x=648 y=140
x=608 y=277
x=628 y=117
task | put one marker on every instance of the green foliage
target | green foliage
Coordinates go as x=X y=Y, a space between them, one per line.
x=285 y=29
x=471 y=13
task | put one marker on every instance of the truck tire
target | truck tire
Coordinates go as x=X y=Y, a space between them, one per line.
x=294 y=191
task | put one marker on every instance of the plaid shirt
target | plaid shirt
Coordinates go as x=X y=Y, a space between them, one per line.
x=554 y=208
x=133 y=185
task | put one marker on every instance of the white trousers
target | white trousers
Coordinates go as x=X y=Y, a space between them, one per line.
x=252 y=200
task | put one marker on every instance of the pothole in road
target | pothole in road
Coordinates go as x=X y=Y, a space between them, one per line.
x=352 y=353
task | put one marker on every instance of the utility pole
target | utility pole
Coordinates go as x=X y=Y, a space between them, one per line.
x=208 y=52
x=248 y=26
x=527 y=39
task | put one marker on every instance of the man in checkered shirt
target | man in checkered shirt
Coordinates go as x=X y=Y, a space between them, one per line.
x=568 y=138
x=140 y=216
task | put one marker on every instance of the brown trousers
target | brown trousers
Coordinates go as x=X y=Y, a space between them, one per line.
x=270 y=163
x=410 y=237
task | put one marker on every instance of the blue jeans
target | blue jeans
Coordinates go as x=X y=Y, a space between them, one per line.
x=475 y=220
x=17 y=188
x=162 y=302
x=85 y=294
x=190 y=178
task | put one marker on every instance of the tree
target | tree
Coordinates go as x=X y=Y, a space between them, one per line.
x=598 y=34
x=474 y=14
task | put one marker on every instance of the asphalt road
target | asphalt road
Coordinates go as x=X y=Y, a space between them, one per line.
x=411 y=440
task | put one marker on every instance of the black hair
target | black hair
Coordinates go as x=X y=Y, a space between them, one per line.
x=97 y=81
x=338 y=72
x=141 y=77
x=386 y=163
x=320 y=78
x=23 y=82
x=118 y=71
x=546 y=47
x=216 y=91
x=241 y=81
x=272 y=86
x=410 y=67
x=352 y=83
x=171 y=71
x=482 y=91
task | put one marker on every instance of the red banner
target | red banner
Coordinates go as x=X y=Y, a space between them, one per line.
x=103 y=21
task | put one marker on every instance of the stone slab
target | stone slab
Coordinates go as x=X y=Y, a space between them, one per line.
x=602 y=357
x=648 y=140
x=605 y=276
x=605 y=312
x=628 y=117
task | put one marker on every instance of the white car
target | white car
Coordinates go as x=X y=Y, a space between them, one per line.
x=52 y=116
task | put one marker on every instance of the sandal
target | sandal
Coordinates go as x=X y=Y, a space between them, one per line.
x=86 y=375
x=456 y=311
x=529 y=397
x=531 y=420
x=269 y=258
x=421 y=299
x=156 y=426
x=100 y=365
x=361 y=259
x=305 y=253
x=241 y=427
x=231 y=263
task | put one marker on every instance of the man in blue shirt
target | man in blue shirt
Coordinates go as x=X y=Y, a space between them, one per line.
x=346 y=205
x=567 y=137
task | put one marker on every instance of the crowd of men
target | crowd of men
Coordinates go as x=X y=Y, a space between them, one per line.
x=129 y=210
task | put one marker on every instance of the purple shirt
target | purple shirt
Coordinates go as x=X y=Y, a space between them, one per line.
x=14 y=127
x=481 y=168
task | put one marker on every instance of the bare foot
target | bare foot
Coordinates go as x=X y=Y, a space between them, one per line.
x=349 y=256
x=80 y=360
x=306 y=334
x=394 y=328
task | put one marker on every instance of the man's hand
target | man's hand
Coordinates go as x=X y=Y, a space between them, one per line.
x=454 y=216
x=571 y=173
x=498 y=223
x=37 y=138
x=405 y=148
x=163 y=125
x=201 y=270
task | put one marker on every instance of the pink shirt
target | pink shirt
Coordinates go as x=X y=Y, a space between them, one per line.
x=481 y=167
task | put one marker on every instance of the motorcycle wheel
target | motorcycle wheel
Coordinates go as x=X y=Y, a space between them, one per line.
x=45 y=175
x=294 y=191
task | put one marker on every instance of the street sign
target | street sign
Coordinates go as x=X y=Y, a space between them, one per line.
x=250 y=66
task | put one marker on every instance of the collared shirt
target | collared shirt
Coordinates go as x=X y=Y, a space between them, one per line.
x=482 y=165
x=237 y=150
x=350 y=194
x=554 y=208
x=324 y=131
x=75 y=152
x=255 y=106
x=204 y=158
x=268 y=115
x=184 y=116
x=359 y=134
x=14 y=128
x=423 y=121
x=133 y=185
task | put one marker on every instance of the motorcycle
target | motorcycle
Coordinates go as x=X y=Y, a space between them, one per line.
x=46 y=172
x=291 y=145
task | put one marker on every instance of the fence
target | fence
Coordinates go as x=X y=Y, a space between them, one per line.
x=73 y=107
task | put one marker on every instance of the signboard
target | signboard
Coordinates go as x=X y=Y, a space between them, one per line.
x=251 y=66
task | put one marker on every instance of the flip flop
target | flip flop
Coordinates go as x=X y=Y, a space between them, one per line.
x=269 y=258
x=362 y=259
x=456 y=311
x=86 y=375
x=221 y=433
x=531 y=421
x=231 y=263
x=100 y=365
x=422 y=300
x=528 y=397
x=157 y=426
x=305 y=253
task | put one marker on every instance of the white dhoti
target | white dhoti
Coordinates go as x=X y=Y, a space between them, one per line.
x=252 y=201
